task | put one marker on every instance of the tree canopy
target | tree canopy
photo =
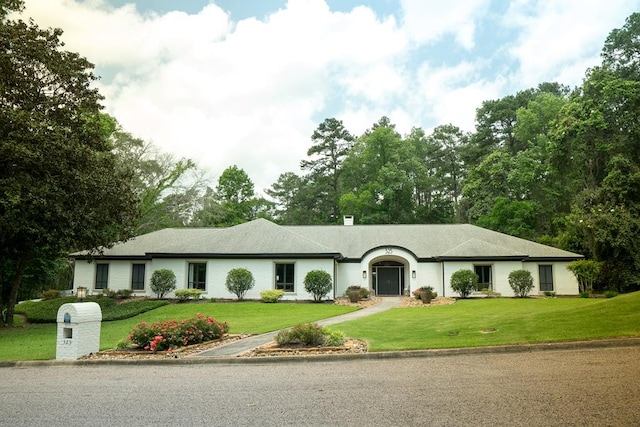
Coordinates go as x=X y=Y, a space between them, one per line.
x=61 y=186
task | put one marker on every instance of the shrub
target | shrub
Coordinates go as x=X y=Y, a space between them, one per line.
x=50 y=294
x=239 y=281
x=464 y=282
x=119 y=294
x=303 y=334
x=364 y=292
x=610 y=294
x=271 y=295
x=172 y=333
x=317 y=283
x=586 y=273
x=521 y=282
x=549 y=293
x=185 y=294
x=334 y=338
x=47 y=311
x=429 y=289
x=585 y=294
x=162 y=282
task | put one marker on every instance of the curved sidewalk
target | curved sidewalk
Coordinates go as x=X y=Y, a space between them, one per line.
x=238 y=347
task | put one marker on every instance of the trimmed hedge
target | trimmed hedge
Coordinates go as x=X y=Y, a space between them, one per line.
x=47 y=311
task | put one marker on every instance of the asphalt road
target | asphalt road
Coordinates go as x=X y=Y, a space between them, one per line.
x=586 y=387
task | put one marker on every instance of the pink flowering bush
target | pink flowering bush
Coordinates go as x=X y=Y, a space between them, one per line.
x=170 y=334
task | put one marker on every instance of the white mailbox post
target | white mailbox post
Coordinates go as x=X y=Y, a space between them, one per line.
x=78 y=330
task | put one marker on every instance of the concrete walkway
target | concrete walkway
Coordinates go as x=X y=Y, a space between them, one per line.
x=238 y=347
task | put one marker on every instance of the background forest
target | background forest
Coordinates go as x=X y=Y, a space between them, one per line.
x=553 y=164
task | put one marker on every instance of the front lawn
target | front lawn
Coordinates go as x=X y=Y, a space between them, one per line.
x=497 y=321
x=38 y=341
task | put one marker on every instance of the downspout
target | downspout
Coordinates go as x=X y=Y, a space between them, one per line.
x=443 y=284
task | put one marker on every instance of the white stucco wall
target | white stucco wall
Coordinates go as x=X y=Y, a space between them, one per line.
x=564 y=282
x=263 y=271
x=346 y=274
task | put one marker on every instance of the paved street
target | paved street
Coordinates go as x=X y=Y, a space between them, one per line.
x=586 y=387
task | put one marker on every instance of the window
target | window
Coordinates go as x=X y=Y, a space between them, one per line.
x=546 y=277
x=102 y=276
x=484 y=276
x=285 y=277
x=137 y=277
x=197 y=275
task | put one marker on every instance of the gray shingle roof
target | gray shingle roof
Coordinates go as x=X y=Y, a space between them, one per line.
x=264 y=238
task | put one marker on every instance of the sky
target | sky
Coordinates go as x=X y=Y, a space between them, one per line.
x=246 y=82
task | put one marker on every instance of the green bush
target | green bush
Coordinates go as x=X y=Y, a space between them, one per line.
x=173 y=333
x=185 y=294
x=429 y=289
x=549 y=293
x=50 y=294
x=47 y=311
x=585 y=294
x=364 y=292
x=610 y=294
x=162 y=282
x=310 y=334
x=271 y=295
x=130 y=309
x=239 y=281
x=119 y=294
x=318 y=283
x=334 y=338
x=521 y=282
x=464 y=282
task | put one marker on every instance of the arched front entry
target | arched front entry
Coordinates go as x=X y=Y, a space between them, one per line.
x=388 y=277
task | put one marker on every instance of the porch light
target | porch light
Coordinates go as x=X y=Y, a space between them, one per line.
x=413 y=274
x=364 y=274
x=81 y=293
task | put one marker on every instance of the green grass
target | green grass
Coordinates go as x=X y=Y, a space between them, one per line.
x=38 y=341
x=511 y=321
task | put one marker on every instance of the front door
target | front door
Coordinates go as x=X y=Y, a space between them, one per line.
x=388 y=281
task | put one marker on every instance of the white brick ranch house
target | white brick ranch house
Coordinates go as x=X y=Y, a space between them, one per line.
x=387 y=259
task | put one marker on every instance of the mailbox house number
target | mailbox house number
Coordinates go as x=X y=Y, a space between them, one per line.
x=388 y=251
x=67 y=342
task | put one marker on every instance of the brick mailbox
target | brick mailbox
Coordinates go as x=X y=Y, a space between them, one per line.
x=78 y=330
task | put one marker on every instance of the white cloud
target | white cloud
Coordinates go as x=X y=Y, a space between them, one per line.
x=428 y=21
x=556 y=37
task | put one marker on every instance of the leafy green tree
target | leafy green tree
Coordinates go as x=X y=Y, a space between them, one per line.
x=232 y=202
x=318 y=283
x=239 y=282
x=606 y=221
x=521 y=282
x=376 y=176
x=464 y=282
x=163 y=281
x=586 y=273
x=168 y=189
x=61 y=186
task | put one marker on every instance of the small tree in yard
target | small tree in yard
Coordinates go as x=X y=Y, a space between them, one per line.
x=521 y=282
x=318 y=284
x=239 y=281
x=464 y=282
x=162 y=282
x=586 y=272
